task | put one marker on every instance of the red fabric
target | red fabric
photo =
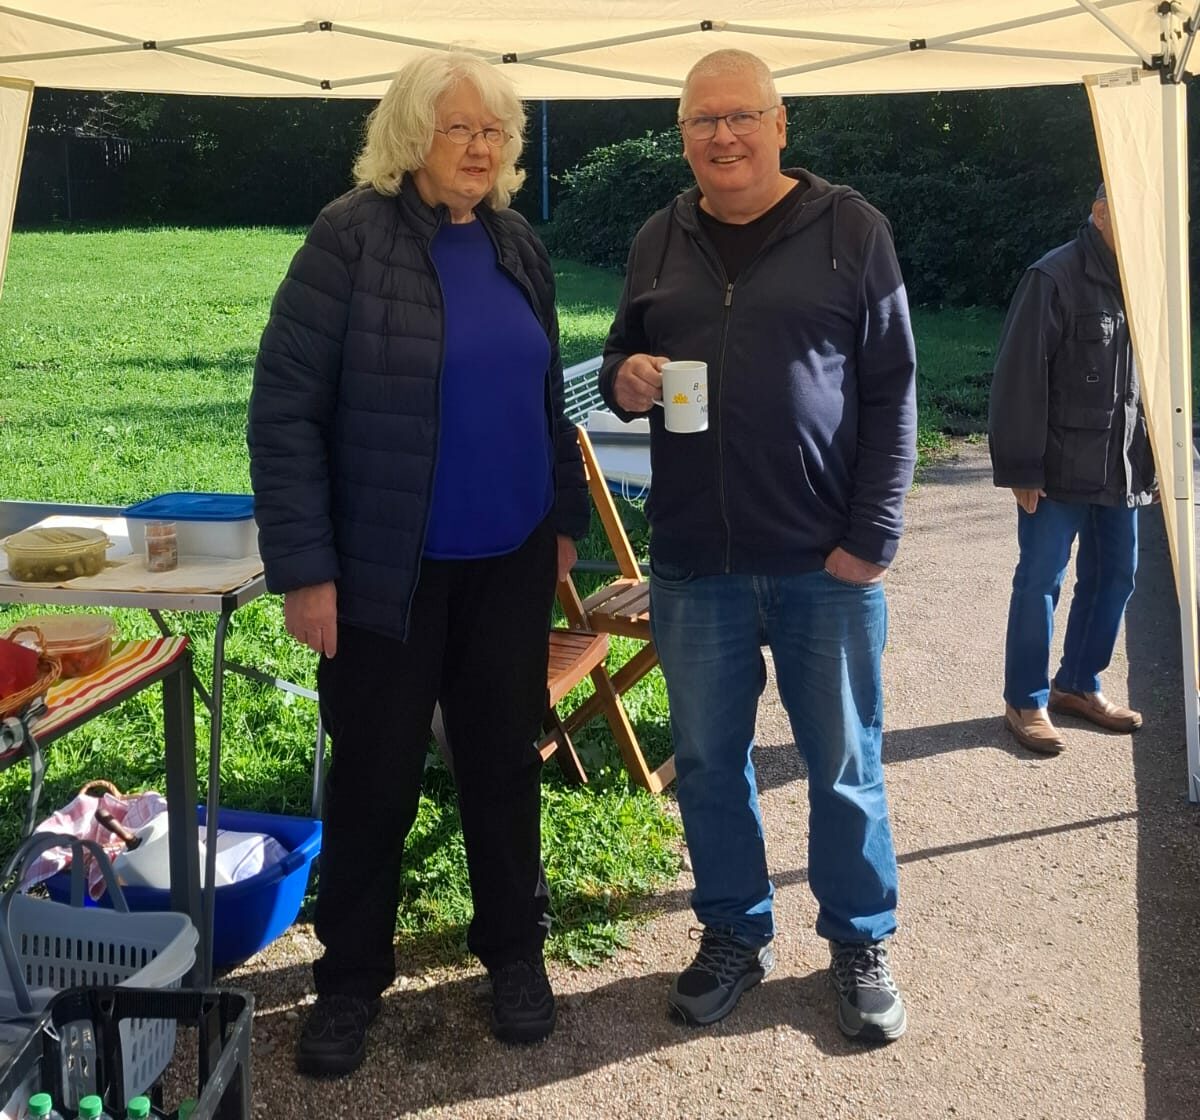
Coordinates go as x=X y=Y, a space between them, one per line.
x=18 y=667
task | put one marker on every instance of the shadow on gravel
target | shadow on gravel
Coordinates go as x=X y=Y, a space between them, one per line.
x=429 y=1032
x=1168 y=830
x=777 y=764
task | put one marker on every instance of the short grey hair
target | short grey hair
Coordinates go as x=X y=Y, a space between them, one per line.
x=719 y=64
x=400 y=128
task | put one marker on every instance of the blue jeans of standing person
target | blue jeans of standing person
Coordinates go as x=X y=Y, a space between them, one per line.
x=1104 y=578
x=827 y=639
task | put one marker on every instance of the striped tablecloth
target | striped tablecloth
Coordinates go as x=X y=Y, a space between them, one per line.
x=131 y=662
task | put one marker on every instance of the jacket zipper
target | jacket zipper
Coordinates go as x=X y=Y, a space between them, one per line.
x=437 y=446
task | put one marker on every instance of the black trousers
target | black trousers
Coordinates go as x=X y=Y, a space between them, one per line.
x=478 y=645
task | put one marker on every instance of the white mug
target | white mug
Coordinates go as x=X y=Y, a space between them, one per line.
x=685 y=396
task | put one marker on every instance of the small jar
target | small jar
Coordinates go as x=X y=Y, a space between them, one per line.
x=162 y=546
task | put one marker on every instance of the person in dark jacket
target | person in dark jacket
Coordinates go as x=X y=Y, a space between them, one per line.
x=1068 y=435
x=417 y=490
x=774 y=526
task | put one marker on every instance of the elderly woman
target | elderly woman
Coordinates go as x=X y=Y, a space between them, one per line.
x=417 y=488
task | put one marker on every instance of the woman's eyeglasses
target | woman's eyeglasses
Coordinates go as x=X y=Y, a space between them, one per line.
x=460 y=134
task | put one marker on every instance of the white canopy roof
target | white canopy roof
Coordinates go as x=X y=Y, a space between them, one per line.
x=569 y=48
x=643 y=48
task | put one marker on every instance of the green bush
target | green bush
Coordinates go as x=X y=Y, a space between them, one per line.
x=611 y=193
x=963 y=236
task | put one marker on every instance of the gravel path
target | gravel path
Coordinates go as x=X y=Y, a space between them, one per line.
x=1049 y=947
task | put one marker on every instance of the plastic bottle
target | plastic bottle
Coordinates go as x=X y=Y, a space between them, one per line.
x=92 y=1108
x=138 y=1108
x=186 y=1107
x=41 y=1107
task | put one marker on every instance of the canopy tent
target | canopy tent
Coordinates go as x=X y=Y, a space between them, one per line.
x=1131 y=53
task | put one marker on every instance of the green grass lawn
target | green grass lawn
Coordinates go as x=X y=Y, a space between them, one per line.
x=125 y=366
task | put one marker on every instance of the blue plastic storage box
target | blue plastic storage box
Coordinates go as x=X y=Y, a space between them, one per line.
x=250 y=914
x=205 y=524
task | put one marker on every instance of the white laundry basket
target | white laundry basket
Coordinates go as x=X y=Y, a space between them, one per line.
x=47 y=947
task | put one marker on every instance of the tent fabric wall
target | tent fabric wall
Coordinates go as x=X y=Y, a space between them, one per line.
x=631 y=48
x=16 y=98
x=1140 y=130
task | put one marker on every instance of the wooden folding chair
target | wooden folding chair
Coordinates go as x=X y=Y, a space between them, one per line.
x=574 y=655
x=620 y=607
x=579 y=651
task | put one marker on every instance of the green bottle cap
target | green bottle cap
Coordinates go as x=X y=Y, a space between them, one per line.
x=90 y=1108
x=138 y=1108
x=186 y=1107
x=40 y=1104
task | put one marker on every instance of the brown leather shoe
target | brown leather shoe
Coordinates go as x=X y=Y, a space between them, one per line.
x=1096 y=708
x=1031 y=727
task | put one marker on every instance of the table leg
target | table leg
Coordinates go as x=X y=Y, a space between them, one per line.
x=166 y=632
x=214 y=780
x=182 y=840
x=318 y=792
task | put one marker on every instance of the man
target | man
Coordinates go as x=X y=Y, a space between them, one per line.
x=774 y=526
x=1068 y=436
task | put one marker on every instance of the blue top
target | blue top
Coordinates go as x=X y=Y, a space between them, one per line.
x=494 y=480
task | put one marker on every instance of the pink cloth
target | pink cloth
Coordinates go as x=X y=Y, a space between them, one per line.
x=78 y=819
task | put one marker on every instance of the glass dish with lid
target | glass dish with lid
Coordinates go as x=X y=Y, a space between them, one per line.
x=52 y=554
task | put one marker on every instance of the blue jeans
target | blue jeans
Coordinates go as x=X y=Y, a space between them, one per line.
x=1104 y=576
x=827 y=640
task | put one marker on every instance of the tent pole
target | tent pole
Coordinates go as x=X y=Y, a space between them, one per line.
x=1175 y=202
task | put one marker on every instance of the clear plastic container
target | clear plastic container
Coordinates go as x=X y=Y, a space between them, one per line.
x=207 y=524
x=83 y=642
x=162 y=546
x=50 y=555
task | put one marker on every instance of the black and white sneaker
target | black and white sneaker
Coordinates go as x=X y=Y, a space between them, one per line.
x=869 y=1005
x=523 y=1008
x=333 y=1040
x=710 y=987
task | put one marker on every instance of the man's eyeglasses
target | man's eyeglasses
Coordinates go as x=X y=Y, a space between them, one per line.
x=460 y=134
x=741 y=123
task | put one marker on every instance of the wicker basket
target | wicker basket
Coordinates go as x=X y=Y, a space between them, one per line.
x=49 y=668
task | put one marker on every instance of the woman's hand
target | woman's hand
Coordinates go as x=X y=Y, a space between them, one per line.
x=638 y=383
x=310 y=615
x=567 y=555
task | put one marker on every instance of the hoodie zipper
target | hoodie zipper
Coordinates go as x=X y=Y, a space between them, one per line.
x=715 y=414
x=726 y=315
x=726 y=318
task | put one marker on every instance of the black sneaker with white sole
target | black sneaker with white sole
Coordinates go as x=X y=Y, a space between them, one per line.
x=870 y=1008
x=333 y=1040
x=725 y=966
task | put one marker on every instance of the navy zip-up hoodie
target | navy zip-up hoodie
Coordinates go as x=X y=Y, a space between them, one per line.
x=811 y=442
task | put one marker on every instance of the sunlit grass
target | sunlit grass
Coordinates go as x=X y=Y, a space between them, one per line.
x=125 y=368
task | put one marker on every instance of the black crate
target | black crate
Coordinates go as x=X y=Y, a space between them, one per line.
x=76 y=1045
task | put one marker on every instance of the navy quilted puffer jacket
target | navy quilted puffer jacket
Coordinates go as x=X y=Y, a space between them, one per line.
x=343 y=429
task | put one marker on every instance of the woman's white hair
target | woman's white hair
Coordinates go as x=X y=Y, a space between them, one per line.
x=400 y=128
x=723 y=63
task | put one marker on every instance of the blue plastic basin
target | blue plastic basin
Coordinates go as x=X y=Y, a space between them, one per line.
x=248 y=915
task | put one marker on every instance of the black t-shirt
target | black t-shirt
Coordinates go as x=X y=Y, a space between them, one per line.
x=737 y=245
